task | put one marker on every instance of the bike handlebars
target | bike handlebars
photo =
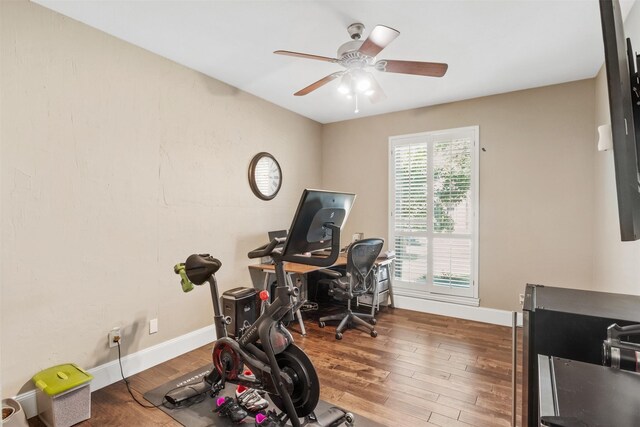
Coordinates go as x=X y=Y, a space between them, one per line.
x=269 y=249
x=266 y=249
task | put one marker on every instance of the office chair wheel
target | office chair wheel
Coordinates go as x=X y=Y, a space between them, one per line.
x=373 y=321
x=374 y=334
x=338 y=336
x=349 y=419
x=321 y=324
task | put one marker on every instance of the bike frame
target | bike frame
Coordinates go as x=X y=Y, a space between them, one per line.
x=264 y=361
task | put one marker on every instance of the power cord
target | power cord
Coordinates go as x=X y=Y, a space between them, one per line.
x=126 y=382
x=191 y=401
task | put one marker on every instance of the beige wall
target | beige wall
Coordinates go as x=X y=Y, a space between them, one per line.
x=536 y=199
x=116 y=164
x=616 y=264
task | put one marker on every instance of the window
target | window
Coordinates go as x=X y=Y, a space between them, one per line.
x=433 y=183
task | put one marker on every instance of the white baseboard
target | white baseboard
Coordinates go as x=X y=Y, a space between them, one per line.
x=479 y=314
x=109 y=372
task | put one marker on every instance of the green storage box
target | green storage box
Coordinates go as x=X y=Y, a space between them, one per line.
x=63 y=395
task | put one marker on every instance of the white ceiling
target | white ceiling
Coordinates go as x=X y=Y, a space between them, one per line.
x=491 y=46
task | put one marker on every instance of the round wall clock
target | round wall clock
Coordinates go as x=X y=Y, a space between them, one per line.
x=265 y=176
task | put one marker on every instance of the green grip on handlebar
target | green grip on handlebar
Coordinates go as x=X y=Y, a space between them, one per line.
x=187 y=286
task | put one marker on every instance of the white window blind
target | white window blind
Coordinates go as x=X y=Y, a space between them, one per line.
x=433 y=217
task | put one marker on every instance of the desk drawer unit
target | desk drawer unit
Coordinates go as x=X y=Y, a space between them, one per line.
x=383 y=289
x=367 y=299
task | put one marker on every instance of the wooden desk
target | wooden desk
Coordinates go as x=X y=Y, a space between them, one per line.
x=292 y=268
x=295 y=268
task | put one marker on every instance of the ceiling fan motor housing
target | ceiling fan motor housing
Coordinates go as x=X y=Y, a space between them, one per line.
x=347 y=47
x=348 y=54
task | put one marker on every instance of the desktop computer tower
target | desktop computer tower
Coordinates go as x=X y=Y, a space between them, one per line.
x=240 y=305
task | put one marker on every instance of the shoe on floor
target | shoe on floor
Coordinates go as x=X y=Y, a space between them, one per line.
x=247 y=373
x=227 y=407
x=250 y=399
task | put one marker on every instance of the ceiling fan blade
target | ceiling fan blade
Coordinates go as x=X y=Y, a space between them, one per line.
x=323 y=81
x=378 y=39
x=305 y=55
x=431 y=69
x=377 y=94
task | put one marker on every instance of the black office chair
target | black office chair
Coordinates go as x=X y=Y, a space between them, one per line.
x=358 y=280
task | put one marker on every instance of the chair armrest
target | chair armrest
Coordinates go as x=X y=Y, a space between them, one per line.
x=331 y=273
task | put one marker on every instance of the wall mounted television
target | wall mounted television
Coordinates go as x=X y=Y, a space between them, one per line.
x=624 y=105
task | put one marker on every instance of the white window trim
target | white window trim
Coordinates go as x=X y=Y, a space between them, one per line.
x=475 y=187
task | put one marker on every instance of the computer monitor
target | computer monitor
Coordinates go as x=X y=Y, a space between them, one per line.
x=278 y=234
x=308 y=232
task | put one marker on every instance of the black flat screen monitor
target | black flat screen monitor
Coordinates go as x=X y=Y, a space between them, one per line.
x=317 y=208
x=622 y=82
x=278 y=234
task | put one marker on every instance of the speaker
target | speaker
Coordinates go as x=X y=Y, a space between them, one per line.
x=240 y=305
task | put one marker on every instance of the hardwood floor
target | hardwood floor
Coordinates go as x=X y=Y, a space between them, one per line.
x=421 y=370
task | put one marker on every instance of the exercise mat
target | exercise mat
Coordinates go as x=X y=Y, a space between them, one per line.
x=200 y=413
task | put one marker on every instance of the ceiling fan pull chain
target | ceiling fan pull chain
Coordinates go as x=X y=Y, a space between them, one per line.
x=357 y=110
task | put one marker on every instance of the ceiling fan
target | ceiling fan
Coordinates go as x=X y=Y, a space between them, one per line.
x=358 y=55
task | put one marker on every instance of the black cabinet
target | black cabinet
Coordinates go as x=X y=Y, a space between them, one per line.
x=581 y=394
x=570 y=324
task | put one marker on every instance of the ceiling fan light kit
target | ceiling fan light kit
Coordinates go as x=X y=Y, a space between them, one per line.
x=356 y=55
x=345 y=86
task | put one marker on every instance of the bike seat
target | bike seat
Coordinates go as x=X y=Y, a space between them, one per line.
x=200 y=267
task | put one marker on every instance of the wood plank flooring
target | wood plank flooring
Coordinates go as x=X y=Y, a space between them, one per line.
x=421 y=370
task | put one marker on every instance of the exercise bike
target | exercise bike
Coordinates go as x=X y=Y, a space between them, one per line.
x=279 y=367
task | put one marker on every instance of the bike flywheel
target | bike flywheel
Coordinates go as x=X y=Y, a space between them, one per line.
x=306 y=386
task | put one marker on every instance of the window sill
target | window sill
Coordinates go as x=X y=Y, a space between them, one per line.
x=453 y=299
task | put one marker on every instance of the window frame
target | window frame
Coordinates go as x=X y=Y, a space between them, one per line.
x=468 y=296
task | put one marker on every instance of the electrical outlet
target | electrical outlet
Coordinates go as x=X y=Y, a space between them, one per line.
x=521 y=299
x=153 y=326
x=114 y=337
